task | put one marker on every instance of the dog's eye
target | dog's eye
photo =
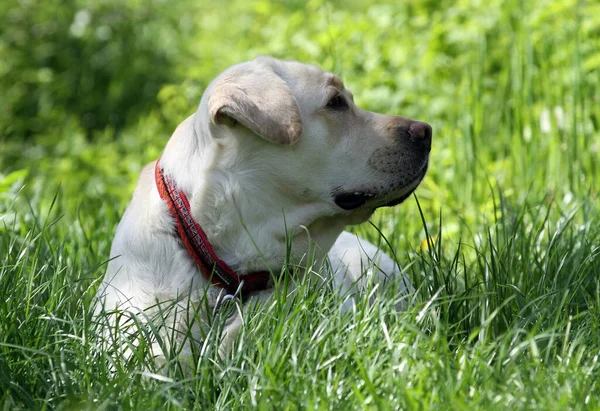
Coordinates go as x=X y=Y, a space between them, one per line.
x=337 y=102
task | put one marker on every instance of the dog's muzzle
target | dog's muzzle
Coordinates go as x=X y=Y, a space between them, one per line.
x=415 y=138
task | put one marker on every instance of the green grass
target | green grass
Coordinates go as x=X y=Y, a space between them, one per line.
x=507 y=308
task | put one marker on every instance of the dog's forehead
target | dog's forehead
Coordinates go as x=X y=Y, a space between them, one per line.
x=295 y=71
x=309 y=81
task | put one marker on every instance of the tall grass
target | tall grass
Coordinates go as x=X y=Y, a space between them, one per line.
x=508 y=317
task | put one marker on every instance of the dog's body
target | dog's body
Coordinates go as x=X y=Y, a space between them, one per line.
x=276 y=159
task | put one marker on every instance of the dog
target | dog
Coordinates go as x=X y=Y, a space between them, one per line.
x=276 y=160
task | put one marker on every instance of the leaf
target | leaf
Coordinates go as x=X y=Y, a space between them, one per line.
x=6 y=183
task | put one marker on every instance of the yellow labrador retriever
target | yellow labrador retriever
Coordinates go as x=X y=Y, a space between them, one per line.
x=277 y=156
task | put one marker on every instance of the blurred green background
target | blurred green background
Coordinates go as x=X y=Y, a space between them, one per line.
x=90 y=91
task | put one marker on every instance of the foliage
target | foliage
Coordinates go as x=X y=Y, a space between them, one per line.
x=503 y=244
x=102 y=63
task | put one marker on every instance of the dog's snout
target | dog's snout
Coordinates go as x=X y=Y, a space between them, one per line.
x=420 y=133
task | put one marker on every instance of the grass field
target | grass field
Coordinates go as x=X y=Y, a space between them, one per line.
x=502 y=240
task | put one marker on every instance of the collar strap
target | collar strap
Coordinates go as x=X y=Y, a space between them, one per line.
x=194 y=239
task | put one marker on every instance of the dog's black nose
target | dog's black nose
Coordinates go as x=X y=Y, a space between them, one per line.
x=420 y=133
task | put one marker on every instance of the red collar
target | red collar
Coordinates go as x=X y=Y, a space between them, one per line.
x=197 y=245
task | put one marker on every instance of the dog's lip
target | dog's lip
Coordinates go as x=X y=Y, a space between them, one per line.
x=353 y=200
x=357 y=199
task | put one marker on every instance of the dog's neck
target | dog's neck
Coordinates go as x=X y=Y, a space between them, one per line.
x=198 y=246
x=181 y=153
x=235 y=230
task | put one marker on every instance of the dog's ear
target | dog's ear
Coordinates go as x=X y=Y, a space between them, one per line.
x=259 y=99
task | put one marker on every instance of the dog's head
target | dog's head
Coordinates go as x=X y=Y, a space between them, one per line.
x=289 y=145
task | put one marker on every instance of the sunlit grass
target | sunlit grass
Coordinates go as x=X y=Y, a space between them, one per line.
x=508 y=318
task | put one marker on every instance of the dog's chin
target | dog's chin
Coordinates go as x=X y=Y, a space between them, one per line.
x=398 y=200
